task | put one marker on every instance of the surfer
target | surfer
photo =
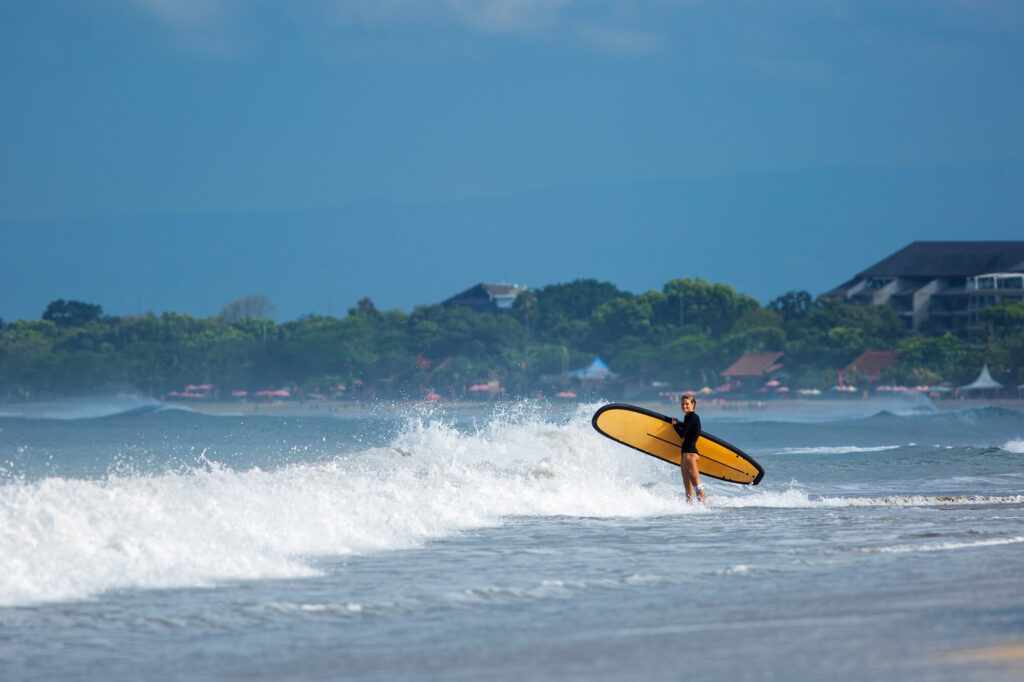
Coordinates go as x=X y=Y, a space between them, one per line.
x=689 y=431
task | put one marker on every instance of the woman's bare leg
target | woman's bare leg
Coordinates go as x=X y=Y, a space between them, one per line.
x=687 y=483
x=692 y=474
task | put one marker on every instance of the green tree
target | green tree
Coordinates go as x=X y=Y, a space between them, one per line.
x=688 y=359
x=792 y=305
x=1001 y=320
x=620 y=318
x=525 y=308
x=72 y=313
x=28 y=358
x=254 y=307
x=712 y=308
x=576 y=300
x=365 y=306
x=563 y=311
x=925 y=359
x=833 y=333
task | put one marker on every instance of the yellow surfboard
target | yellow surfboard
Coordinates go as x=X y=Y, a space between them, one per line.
x=652 y=434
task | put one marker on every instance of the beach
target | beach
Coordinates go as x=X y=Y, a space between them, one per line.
x=711 y=406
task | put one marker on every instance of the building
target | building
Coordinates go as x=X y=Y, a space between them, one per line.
x=941 y=286
x=754 y=366
x=870 y=364
x=486 y=296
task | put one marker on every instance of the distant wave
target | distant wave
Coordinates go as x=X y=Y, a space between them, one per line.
x=977 y=414
x=83 y=408
x=944 y=546
x=836 y=450
x=793 y=498
x=829 y=412
x=973 y=415
x=1015 y=446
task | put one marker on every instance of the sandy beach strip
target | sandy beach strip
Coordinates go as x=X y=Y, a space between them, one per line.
x=1011 y=653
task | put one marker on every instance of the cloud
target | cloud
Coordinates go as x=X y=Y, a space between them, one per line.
x=619 y=40
x=200 y=26
x=186 y=14
x=597 y=24
x=510 y=16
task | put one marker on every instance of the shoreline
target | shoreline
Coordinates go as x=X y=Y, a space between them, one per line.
x=798 y=409
x=329 y=408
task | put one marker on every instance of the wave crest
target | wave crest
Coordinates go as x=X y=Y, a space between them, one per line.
x=211 y=523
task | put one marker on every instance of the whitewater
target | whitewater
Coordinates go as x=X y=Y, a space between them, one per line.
x=410 y=542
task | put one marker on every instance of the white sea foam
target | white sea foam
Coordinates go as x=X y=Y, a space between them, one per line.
x=738 y=569
x=69 y=538
x=64 y=539
x=795 y=498
x=1015 y=446
x=945 y=546
x=328 y=608
x=835 y=450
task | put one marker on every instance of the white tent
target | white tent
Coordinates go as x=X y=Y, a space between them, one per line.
x=984 y=382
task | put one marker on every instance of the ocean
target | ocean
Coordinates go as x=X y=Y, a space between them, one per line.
x=140 y=541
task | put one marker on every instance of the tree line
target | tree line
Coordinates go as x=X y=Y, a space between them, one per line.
x=684 y=335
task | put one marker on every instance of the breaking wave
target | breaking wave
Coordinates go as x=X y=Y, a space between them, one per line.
x=944 y=546
x=795 y=498
x=1014 y=446
x=70 y=538
x=836 y=450
x=66 y=538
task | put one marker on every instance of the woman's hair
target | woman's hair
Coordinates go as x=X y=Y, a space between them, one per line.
x=690 y=396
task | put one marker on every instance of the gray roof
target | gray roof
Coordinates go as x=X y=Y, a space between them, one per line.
x=950 y=259
x=485 y=293
x=495 y=289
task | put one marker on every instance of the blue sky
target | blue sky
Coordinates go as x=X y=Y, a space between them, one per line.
x=176 y=154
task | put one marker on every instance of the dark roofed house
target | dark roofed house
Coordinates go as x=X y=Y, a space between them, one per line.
x=754 y=365
x=487 y=296
x=871 y=363
x=941 y=286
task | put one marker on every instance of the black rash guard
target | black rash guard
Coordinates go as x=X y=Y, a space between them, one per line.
x=689 y=431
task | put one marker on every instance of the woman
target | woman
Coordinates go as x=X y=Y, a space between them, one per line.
x=689 y=431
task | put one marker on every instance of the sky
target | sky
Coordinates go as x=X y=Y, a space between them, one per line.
x=177 y=154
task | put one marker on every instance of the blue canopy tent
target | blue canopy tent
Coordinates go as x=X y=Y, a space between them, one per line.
x=595 y=371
